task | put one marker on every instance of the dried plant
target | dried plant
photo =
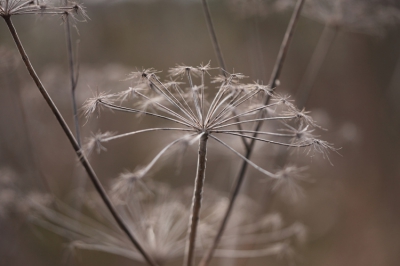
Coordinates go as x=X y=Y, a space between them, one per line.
x=187 y=107
x=158 y=216
x=39 y=7
x=156 y=227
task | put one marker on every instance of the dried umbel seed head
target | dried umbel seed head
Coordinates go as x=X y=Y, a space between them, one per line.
x=40 y=7
x=233 y=111
x=123 y=186
x=158 y=216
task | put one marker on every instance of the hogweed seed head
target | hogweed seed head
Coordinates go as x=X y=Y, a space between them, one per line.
x=41 y=7
x=233 y=109
x=158 y=216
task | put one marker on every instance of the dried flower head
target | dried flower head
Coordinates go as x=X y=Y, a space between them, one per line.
x=40 y=7
x=234 y=108
x=92 y=104
x=234 y=105
x=158 y=216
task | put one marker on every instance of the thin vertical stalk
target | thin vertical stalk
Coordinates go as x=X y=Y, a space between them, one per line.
x=73 y=79
x=82 y=158
x=273 y=82
x=304 y=90
x=218 y=52
x=314 y=66
x=196 y=201
x=285 y=46
x=213 y=36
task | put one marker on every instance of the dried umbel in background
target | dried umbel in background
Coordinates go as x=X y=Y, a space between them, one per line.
x=158 y=215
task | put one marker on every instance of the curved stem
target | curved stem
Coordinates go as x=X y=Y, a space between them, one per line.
x=85 y=163
x=196 y=201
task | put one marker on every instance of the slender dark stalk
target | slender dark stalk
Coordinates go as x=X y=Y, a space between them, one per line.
x=314 y=66
x=213 y=36
x=73 y=79
x=196 y=202
x=285 y=46
x=304 y=90
x=82 y=158
x=239 y=181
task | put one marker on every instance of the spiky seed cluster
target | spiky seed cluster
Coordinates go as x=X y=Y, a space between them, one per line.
x=158 y=216
x=233 y=110
x=40 y=7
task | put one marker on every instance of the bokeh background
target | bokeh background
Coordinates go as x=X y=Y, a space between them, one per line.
x=352 y=207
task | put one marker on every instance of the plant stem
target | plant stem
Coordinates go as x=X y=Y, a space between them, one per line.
x=317 y=59
x=213 y=36
x=239 y=181
x=72 y=78
x=82 y=158
x=196 y=201
x=304 y=90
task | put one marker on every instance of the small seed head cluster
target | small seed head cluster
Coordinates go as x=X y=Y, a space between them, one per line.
x=40 y=7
